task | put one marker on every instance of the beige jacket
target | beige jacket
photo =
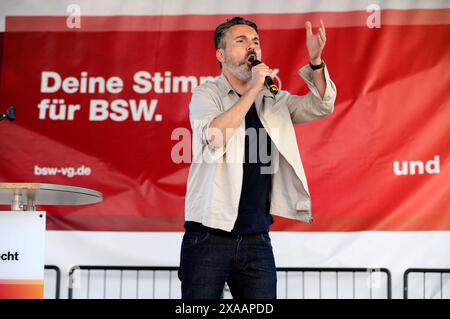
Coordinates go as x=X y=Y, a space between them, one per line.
x=215 y=176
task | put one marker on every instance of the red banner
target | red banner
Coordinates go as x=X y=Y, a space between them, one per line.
x=97 y=109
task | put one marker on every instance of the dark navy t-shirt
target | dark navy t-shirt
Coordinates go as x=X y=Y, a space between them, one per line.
x=254 y=205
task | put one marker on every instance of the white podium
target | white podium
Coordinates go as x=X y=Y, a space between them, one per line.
x=22 y=233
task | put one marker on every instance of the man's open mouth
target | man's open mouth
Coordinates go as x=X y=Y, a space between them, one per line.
x=251 y=58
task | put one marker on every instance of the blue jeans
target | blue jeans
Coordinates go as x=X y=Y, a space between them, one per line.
x=245 y=262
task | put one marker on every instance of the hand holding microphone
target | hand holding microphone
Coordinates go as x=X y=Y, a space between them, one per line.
x=268 y=82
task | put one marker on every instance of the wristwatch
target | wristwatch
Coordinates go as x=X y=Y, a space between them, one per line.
x=317 y=66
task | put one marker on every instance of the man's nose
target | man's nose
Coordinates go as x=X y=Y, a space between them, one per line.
x=251 y=47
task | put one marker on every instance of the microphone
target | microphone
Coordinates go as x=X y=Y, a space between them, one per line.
x=268 y=80
x=10 y=114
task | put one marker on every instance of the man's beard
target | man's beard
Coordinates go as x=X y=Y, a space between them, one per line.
x=240 y=71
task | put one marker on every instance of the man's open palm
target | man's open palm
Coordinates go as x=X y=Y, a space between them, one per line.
x=315 y=42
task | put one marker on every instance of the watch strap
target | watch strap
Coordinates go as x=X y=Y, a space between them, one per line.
x=317 y=66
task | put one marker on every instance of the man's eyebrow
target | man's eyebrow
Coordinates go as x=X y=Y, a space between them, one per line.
x=244 y=37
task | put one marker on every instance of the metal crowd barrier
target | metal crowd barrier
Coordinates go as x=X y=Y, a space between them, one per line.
x=422 y=283
x=121 y=282
x=335 y=283
x=52 y=274
x=100 y=282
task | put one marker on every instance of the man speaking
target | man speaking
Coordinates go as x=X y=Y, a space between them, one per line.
x=246 y=164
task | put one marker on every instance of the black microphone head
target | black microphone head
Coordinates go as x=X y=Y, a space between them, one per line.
x=11 y=113
x=254 y=63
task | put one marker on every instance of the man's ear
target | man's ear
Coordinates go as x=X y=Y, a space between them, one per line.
x=220 y=55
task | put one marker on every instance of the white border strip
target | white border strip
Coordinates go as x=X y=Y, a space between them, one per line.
x=181 y=7
x=189 y=7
